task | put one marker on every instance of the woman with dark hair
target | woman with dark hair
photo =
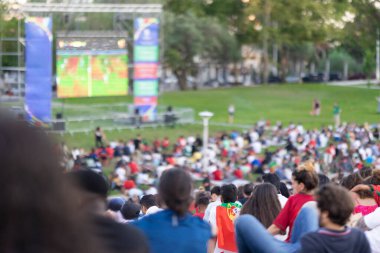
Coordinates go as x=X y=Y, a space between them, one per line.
x=282 y=190
x=263 y=204
x=175 y=226
x=37 y=213
x=363 y=199
x=304 y=182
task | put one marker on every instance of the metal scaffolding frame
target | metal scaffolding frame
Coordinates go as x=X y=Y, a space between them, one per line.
x=91 y=8
x=126 y=11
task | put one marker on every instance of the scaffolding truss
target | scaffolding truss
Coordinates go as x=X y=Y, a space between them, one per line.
x=91 y=8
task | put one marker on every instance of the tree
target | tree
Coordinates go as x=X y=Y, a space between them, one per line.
x=183 y=41
x=188 y=37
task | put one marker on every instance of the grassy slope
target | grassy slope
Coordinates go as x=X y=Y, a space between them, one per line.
x=286 y=103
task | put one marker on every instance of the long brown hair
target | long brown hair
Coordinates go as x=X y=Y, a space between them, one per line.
x=37 y=213
x=263 y=204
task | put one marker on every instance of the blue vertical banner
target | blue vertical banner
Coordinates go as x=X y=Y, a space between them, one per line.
x=146 y=63
x=38 y=64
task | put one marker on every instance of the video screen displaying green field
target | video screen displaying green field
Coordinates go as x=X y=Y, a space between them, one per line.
x=92 y=75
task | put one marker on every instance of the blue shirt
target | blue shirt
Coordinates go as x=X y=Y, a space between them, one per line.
x=166 y=232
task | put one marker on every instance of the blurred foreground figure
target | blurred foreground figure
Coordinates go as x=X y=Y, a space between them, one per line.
x=116 y=237
x=37 y=214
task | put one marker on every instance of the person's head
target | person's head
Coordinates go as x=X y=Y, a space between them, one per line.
x=228 y=193
x=93 y=188
x=201 y=203
x=130 y=210
x=272 y=179
x=335 y=205
x=263 y=204
x=284 y=191
x=304 y=179
x=175 y=190
x=374 y=178
x=323 y=179
x=351 y=181
x=247 y=190
x=38 y=211
x=115 y=204
x=146 y=202
x=215 y=193
x=365 y=172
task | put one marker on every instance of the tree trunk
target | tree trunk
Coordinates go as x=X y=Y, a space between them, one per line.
x=181 y=77
x=267 y=10
x=345 y=70
x=283 y=65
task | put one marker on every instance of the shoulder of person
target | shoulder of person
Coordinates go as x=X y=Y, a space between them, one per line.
x=310 y=242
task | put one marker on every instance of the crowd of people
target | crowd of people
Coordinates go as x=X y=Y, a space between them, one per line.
x=270 y=189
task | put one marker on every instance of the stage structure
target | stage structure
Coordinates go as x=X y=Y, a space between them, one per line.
x=146 y=59
x=38 y=76
x=101 y=61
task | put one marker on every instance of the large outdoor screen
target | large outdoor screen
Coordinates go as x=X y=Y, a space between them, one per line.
x=91 y=67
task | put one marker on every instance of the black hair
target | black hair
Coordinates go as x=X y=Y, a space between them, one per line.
x=247 y=189
x=148 y=201
x=284 y=191
x=323 y=179
x=215 y=190
x=202 y=201
x=229 y=193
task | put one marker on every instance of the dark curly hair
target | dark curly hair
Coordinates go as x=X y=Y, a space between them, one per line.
x=336 y=201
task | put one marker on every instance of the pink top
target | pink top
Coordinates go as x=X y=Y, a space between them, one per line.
x=364 y=210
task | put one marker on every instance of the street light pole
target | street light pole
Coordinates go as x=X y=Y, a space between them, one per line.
x=205 y=116
x=377 y=57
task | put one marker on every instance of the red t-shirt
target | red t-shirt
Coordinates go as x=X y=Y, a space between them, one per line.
x=218 y=175
x=200 y=215
x=238 y=174
x=134 y=168
x=129 y=184
x=288 y=215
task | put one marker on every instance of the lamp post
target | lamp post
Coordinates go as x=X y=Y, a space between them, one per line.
x=205 y=116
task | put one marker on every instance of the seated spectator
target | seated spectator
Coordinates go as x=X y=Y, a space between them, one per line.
x=130 y=211
x=223 y=216
x=175 y=227
x=263 y=204
x=201 y=206
x=215 y=201
x=371 y=225
x=117 y=237
x=247 y=191
x=304 y=182
x=282 y=190
x=363 y=199
x=149 y=205
x=335 y=207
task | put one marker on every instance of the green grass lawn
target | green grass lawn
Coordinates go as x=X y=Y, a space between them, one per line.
x=286 y=103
